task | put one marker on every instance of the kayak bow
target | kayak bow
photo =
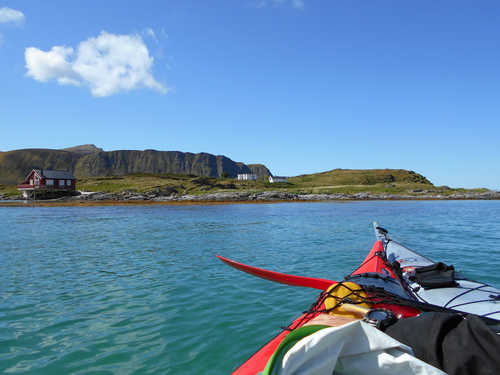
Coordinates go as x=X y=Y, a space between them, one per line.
x=386 y=276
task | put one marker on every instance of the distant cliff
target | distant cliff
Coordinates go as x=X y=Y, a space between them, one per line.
x=90 y=161
x=260 y=170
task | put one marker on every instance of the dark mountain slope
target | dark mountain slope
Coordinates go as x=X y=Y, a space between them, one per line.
x=88 y=161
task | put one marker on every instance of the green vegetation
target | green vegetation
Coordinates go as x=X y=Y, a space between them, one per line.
x=9 y=190
x=179 y=173
x=143 y=182
x=178 y=183
x=338 y=181
x=343 y=177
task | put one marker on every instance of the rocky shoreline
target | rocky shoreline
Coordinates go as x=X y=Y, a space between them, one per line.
x=266 y=196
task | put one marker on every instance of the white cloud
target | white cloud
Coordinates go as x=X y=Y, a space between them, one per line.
x=8 y=15
x=297 y=4
x=44 y=66
x=107 y=64
x=150 y=32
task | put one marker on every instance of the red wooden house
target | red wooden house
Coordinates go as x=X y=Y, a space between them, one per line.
x=47 y=180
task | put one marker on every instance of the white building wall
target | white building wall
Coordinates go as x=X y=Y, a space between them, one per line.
x=247 y=176
x=273 y=179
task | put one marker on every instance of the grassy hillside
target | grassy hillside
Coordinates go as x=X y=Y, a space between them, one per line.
x=388 y=181
x=179 y=184
x=183 y=184
x=341 y=177
x=9 y=190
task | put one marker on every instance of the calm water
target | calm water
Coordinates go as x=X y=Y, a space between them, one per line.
x=138 y=290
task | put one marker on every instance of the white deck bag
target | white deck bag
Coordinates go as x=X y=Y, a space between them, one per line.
x=354 y=348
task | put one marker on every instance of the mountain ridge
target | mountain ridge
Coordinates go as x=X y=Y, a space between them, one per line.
x=91 y=161
x=84 y=149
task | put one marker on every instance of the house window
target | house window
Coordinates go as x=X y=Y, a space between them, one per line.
x=31 y=181
x=50 y=182
x=68 y=182
x=37 y=180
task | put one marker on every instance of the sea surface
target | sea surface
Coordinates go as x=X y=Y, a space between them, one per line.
x=138 y=290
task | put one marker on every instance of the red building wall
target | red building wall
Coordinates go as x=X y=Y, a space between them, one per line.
x=43 y=183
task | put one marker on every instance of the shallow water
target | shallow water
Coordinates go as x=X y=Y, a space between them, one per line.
x=138 y=290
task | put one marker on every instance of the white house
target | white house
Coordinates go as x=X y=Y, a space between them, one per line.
x=273 y=179
x=247 y=176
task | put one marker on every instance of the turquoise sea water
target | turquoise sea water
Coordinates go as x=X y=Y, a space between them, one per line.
x=138 y=290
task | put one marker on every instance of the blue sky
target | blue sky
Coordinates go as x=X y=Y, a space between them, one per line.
x=301 y=86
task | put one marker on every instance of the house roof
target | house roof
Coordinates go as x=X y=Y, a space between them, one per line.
x=61 y=175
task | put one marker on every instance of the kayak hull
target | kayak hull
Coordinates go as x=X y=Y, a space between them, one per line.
x=377 y=272
x=257 y=362
x=372 y=264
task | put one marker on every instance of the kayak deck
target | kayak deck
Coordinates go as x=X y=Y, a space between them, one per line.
x=466 y=296
x=384 y=275
x=372 y=264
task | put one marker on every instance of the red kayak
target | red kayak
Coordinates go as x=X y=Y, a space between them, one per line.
x=374 y=275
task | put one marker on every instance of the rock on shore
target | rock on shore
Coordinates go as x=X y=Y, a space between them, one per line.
x=270 y=196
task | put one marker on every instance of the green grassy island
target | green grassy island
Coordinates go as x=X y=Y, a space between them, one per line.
x=337 y=184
